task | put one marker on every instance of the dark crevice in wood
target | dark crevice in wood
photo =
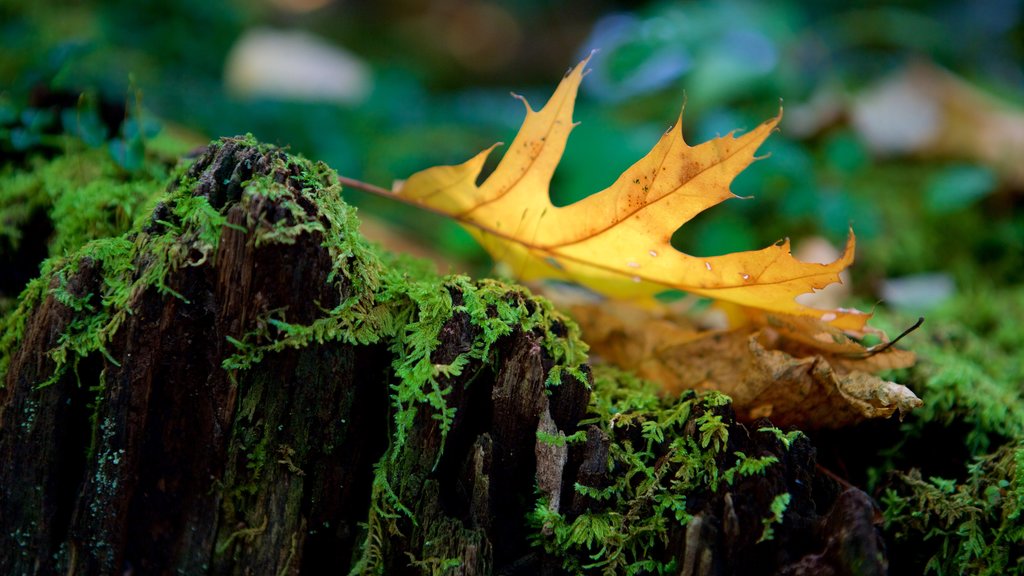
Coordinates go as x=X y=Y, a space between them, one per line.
x=22 y=264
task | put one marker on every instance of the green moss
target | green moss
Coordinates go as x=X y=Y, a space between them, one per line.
x=971 y=365
x=126 y=265
x=969 y=375
x=748 y=466
x=84 y=193
x=435 y=566
x=777 y=508
x=969 y=370
x=420 y=309
x=663 y=452
x=970 y=527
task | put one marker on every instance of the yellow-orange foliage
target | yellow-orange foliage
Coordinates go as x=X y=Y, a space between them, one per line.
x=616 y=242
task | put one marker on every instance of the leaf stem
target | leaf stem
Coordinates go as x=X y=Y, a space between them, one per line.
x=366 y=187
x=882 y=348
x=392 y=195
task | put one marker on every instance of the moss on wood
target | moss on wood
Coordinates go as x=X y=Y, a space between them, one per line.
x=221 y=373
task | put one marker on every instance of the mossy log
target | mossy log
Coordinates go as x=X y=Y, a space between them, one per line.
x=241 y=385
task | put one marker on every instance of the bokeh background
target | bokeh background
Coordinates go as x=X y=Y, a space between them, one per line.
x=902 y=120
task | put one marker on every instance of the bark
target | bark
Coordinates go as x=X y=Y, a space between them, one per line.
x=164 y=462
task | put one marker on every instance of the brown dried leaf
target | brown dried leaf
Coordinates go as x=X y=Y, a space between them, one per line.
x=765 y=373
x=926 y=110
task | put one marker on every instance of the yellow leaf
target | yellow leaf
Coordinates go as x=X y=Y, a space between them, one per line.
x=617 y=241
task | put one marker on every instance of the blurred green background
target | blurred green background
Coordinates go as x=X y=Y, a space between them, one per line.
x=901 y=120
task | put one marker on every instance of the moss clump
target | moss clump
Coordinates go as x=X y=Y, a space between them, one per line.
x=666 y=459
x=85 y=194
x=971 y=526
x=971 y=368
x=127 y=262
x=63 y=203
x=952 y=487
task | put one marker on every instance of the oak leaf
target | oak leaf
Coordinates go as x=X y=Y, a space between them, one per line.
x=617 y=241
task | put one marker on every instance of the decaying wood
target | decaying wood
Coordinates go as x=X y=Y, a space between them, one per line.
x=157 y=472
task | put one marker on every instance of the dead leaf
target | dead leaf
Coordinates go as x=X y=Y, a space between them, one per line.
x=616 y=242
x=926 y=110
x=765 y=373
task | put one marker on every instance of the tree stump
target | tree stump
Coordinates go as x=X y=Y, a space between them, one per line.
x=241 y=385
